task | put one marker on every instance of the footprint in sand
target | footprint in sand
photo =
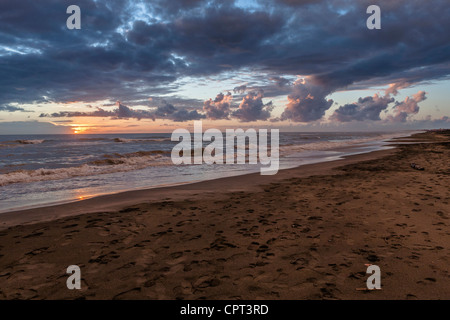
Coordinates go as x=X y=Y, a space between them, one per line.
x=34 y=234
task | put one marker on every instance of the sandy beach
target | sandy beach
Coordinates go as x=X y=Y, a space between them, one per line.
x=305 y=233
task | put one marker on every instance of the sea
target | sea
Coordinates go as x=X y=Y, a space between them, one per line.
x=42 y=170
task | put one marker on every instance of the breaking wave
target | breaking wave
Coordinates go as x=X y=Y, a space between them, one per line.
x=111 y=164
x=327 y=145
x=124 y=140
x=16 y=143
x=30 y=141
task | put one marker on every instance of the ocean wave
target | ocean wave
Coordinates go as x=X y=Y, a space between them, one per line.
x=29 y=141
x=124 y=140
x=327 y=145
x=117 y=158
x=92 y=139
x=15 y=143
x=104 y=166
x=112 y=163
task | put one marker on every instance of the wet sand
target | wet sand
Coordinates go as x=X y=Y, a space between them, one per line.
x=306 y=233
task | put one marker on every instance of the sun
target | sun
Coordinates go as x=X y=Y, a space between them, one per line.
x=78 y=129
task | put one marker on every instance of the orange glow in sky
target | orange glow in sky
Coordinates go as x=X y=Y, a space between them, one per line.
x=76 y=129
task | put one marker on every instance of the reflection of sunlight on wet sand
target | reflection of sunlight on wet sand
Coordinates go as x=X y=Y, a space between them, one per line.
x=72 y=196
x=80 y=194
x=83 y=194
x=77 y=196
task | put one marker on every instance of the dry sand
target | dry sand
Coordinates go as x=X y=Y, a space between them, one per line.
x=305 y=233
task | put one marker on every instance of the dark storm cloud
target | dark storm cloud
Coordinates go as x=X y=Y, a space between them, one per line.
x=280 y=81
x=128 y=50
x=368 y=108
x=240 y=89
x=252 y=108
x=121 y=112
x=117 y=56
x=166 y=111
x=307 y=102
x=186 y=115
x=13 y=109
x=219 y=108
x=295 y=3
x=174 y=7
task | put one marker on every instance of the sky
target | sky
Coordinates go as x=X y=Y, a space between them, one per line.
x=155 y=66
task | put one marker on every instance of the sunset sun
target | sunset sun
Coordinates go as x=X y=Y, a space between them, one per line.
x=78 y=129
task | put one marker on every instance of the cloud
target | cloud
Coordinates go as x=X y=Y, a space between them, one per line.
x=129 y=50
x=307 y=102
x=444 y=119
x=240 y=89
x=252 y=108
x=219 y=108
x=410 y=105
x=166 y=111
x=121 y=112
x=407 y=107
x=394 y=87
x=9 y=108
x=280 y=81
x=124 y=112
x=427 y=123
x=186 y=115
x=368 y=108
x=295 y=3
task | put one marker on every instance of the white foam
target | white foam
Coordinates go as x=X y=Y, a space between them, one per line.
x=30 y=141
x=127 y=164
x=327 y=145
x=124 y=140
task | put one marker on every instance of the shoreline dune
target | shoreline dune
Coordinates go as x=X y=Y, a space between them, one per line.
x=305 y=233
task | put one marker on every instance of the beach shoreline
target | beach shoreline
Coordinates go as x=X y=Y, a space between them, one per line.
x=117 y=201
x=179 y=191
x=100 y=166
x=305 y=233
